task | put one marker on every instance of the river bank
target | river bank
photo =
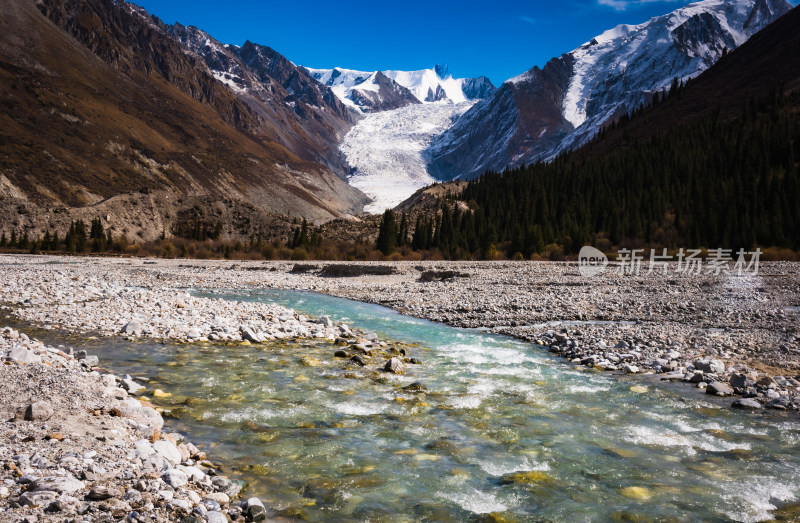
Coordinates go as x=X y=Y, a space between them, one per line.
x=74 y=444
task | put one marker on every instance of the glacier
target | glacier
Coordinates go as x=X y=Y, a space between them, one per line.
x=386 y=150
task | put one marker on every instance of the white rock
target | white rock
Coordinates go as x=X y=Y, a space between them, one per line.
x=168 y=450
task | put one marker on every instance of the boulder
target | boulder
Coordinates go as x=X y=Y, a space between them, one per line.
x=226 y=486
x=249 y=335
x=710 y=366
x=219 y=497
x=216 y=517
x=740 y=381
x=416 y=387
x=91 y=361
x=168 y=450
x=779 y=403
x=697 y=377
x=395 y=366
x=42 y=498
x=132 y=327
x=747 y=404
x=60 y=484
x=131 y=386
x=100 y=492
x=718 y=388
x=39 y=411
x=175 y=478
x=254 y=510
x=20 y=354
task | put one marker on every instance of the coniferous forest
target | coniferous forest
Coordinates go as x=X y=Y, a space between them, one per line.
x=715 y=183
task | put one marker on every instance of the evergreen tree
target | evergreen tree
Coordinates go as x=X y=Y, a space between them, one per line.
x=24 y=241
x=387 y=233
x=98 y=236
x=402 y=235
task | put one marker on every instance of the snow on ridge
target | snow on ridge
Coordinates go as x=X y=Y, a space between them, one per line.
x=421 y=83
x=616 y=32
x=616 y=48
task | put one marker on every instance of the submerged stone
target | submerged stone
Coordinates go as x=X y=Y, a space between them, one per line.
x=641 y=493
x=532 y=477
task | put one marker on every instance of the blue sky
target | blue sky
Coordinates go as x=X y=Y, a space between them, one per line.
x=494 y=38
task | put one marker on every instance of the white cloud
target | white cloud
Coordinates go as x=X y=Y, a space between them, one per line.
x=528 y=19
x=621 y=5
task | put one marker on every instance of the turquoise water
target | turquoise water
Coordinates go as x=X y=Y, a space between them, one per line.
x=506 y=432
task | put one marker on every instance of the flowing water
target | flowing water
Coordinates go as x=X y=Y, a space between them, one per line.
x=505 y=429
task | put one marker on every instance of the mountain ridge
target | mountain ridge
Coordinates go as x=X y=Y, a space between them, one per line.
x=609 y=75
x=102 y=105
x=425 y=85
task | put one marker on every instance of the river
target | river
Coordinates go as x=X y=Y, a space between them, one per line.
x=505 y=430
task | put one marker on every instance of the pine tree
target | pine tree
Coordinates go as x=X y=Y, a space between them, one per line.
x=387 y=233
x=24 y=241
x=402 y=235
x=98 y=236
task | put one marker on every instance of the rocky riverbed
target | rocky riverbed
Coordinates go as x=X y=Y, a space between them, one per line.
x=74 y=446
x=77 y=446
x=728 y=334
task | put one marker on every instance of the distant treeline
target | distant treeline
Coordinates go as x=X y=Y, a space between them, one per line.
x=714 y=183
x=78 y=239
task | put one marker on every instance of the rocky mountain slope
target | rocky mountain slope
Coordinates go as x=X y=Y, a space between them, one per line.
x=297 y=111
x=546 y=111
x=101 y=102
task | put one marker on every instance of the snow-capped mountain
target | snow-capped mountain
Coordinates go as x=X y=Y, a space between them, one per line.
x=546 y=111
x=394 y=87
x=402 y=112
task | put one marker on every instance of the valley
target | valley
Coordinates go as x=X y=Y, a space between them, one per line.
x=237 y=288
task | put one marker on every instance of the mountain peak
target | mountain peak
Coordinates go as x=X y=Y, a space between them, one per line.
x=542 y=113
x=426 y=85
